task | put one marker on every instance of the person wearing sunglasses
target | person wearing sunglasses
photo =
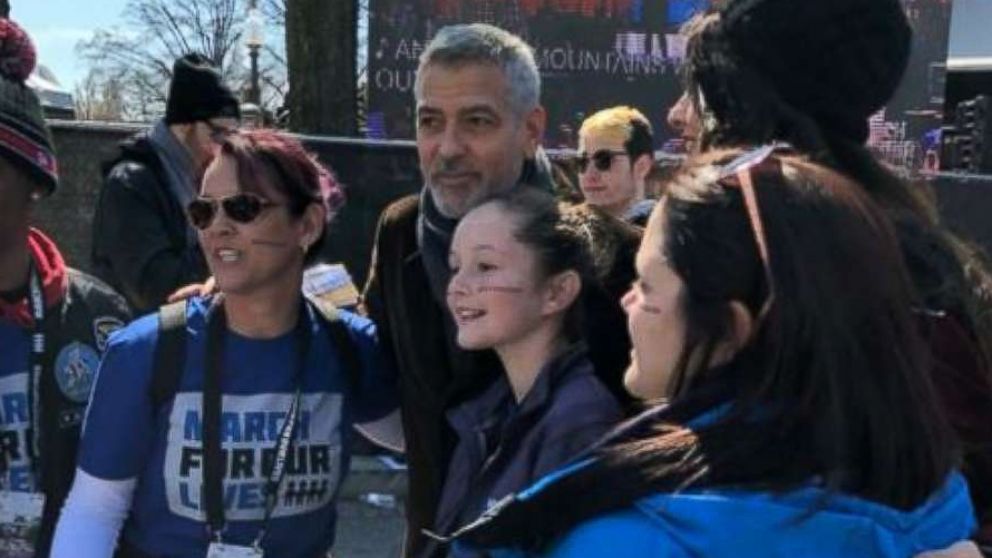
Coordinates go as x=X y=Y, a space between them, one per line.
x=246 y=452
x=751 y=80
x=791 y=410
x=142 y=243
x=616 y=154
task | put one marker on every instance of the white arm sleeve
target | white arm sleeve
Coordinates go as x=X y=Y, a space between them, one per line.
x=92 y=517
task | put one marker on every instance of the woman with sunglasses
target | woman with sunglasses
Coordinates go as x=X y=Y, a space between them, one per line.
x=771 y=323
x=247 y=454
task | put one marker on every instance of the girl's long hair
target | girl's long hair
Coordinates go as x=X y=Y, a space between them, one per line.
x=741 y=107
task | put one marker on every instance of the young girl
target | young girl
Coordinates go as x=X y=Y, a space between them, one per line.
x=517 y=284
x=773 y=313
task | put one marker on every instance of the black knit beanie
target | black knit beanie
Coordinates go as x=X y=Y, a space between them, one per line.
x=837 y=61
x=24 y=138
x=198 y=93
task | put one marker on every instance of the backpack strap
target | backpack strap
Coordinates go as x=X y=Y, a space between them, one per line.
x=341 y=339
x=170 y=352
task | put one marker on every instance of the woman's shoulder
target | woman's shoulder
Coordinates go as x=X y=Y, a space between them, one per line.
x=626 y=533
x=689 y=524
x=578 y=387
x=142 y=334
x=801 y=522
x=580 y=411
x=147 y=325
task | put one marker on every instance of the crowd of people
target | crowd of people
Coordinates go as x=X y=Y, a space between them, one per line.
x=786 y=354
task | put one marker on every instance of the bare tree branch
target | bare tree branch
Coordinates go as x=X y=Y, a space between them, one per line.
x=275 y=12
x=137 y=59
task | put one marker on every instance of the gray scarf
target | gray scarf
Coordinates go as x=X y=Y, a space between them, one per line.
x=434 y=234
x=178 y=165
x=435 y=231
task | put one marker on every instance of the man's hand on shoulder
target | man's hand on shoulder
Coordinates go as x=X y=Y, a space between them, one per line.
x=206 y=288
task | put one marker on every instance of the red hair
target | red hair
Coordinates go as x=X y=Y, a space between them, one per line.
x=288 y=166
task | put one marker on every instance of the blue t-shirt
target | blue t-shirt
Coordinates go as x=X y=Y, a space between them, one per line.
x=125 y=438
x=15 y=416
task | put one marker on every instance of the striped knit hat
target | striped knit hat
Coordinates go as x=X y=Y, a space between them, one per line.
x=24 y=138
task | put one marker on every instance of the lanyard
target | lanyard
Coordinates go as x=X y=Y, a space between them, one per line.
x=36 y=366
x=213 y=461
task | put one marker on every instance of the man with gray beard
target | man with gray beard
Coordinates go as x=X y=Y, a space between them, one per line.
x=479 y=130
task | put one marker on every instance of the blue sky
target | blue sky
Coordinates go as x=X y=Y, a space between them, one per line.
x=57 y=25
x=969 y=28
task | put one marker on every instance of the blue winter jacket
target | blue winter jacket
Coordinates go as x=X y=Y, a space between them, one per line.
x=738 y=524
x=803 y=523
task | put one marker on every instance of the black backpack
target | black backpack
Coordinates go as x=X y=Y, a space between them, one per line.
x=170 y=350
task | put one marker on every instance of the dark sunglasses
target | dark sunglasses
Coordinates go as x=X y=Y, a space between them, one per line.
x=241 y=208
x=740 y=173
x=602 y=159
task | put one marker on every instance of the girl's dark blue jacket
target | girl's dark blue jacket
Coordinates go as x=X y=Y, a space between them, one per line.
x=504 y=446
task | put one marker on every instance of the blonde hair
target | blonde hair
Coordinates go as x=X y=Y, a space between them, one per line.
x=621 y=123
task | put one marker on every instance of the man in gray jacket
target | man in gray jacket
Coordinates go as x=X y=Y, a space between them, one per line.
x=142 y=243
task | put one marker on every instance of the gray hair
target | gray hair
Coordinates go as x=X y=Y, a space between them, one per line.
x=479 y=43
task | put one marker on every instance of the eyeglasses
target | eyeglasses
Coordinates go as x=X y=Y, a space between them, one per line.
x=241 y=208
x=601 y=159
x=739 y=173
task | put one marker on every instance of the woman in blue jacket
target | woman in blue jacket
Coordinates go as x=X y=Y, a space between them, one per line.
x=248 y=451
x=772 y=320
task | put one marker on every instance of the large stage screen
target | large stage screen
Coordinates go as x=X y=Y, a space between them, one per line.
x=599 y=53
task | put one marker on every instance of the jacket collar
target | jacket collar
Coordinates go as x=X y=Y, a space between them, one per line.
x=51 y=269
x=497 y=401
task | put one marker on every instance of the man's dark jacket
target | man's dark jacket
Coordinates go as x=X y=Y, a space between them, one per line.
x=140 y=244
x=435 y=375
x=87 y=315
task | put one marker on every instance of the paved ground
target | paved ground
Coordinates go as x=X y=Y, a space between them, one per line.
x=365 y=531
